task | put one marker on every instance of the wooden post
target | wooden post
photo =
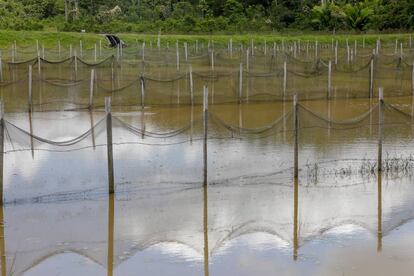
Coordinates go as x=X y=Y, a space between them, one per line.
x=296 y=133
x=80 y=49
x=212 y=60
x=247 y=60
x=190 y=75
x=100 y=47
x=241 y=82
x=380 y=123
x=205 y=123
x=30 y=89
x=1 y=68
x=141 y=81
x=95 y=53
x=396 y=46
x=39 y=64
x=109 y=145
x=316 y=49
x=186 y=51
x=231 y=47
x=401 y=51
x=196 y=46
x=70 y=50
x=143 y=51
x=329 y=79
x=178 y=56
x=37 y=46
x=43 y=51
x=284 y=78
x=12 y=52
x=336 y=52
x=371 y=79
x=412 y=77
x=59 y=48
x=91 y=88
x=76 y=65
x=1 y=151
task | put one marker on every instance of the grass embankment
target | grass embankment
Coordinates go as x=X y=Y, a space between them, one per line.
x=49 y=39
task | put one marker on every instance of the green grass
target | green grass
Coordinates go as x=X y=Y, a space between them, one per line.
x=49 y=39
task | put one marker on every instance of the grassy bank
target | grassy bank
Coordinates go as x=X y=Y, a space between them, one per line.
x=49 y=39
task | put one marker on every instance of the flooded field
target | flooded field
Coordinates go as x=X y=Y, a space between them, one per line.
x=240 y=180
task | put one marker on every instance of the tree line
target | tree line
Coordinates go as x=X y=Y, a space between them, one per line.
x=206 y=16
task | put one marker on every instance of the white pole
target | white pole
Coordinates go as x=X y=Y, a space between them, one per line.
x=231 y=47
x=59 y=48
x=80 y=49
x=241 y=82
x=412 y=78
x=95 y=53
x=336 y=53
x=178 y=56
x=100 y=47
x=30 y=89
x=91 y=87
x=247 y=60
x=143 y=51
x=284 y=78
x=212 y=63
x=380 y=131
x=329 y=79
x=190 y=69
x=186 y=51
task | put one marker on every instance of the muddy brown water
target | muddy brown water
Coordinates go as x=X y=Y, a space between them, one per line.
x=252 y=218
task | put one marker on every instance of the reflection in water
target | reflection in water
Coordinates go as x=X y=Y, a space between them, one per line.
x=2 y=244
x=205 y=227
x=379 y=202
x=295 y=218
x=111 y=226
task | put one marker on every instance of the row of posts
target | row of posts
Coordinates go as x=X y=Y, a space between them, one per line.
x=191 y=83
x=108 y=111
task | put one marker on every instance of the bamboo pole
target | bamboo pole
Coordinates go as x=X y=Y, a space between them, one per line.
x=142 y=83
x=329 y=79
x=241 y=82
x=1 y=153
x=296 y=133
x=284 y=78
x=111 y=188
x=205 y=129
x=190 y=75
x=30 y=100
x=371 y=79
x=178 y=56
x=91 y=88
x=380 y=126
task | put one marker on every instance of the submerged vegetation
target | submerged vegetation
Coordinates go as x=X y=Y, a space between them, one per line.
x=206 y=16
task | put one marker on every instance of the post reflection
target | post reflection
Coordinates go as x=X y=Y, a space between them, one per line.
x=92 y=129
x=110 y=260
x=295 y=218
x=205 y=227
x=379 y=202
x=31 y=133
x=2 y=243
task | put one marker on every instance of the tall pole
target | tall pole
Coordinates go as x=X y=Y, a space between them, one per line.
x=91 y=88
x=1 y=154
x=380 y=126
x=205 y=129
x=296 y=133
x=109 y=145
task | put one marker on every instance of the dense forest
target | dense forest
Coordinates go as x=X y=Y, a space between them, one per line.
x=206 y=16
